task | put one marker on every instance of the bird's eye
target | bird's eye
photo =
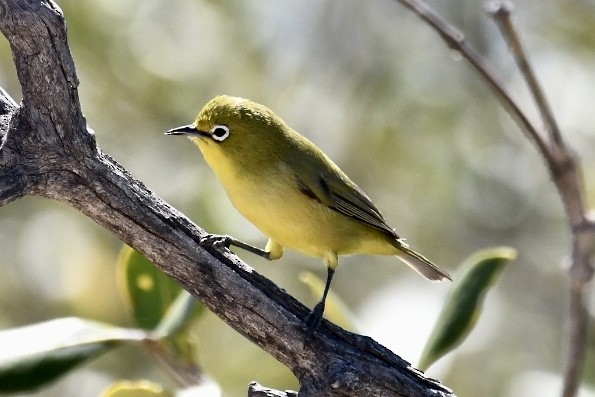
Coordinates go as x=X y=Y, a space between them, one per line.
x=220 y=132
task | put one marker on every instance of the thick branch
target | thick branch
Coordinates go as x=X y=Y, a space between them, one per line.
x=48 y=151
x=256 y=390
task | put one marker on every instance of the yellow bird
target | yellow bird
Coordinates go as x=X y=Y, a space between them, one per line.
x=293 y=192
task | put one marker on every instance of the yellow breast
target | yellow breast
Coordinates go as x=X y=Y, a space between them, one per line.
x=273 y=202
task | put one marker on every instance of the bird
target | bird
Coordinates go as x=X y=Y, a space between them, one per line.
x=293 y=192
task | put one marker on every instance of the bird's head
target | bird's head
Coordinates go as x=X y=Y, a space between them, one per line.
x=234 y=129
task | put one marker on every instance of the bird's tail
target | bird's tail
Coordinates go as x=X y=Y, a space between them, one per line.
x=421 y=264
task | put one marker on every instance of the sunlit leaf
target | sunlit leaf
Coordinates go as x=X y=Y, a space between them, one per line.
x=139 y=388
x=179 y=314
x=463 y=305
x=150 y=292
x=34 y=355
x=160 y=304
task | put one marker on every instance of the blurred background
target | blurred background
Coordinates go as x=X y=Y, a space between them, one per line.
x=377 y=90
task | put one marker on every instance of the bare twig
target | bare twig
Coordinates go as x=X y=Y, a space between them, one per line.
x=561 y=163
x=455 y=39
x=566 y=177
x=501 y=14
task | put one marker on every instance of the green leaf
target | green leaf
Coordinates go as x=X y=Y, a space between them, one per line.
x=179 y=315
x=174 y=332
x=160 y=304
x=463 y=305
x=139 y=388
x=150 y=292
x=34 y=355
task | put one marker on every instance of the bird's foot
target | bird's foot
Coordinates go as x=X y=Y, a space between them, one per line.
x=226 y=241
x=216 y=240
x=314 y=319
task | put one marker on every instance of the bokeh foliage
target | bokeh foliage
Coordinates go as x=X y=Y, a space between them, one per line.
x=372 y=86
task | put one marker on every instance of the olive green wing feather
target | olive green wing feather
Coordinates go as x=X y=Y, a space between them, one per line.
x=331 y=187
x=335 y=190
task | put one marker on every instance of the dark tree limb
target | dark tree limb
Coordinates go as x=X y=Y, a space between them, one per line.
x=48 y=151
x=561 y=161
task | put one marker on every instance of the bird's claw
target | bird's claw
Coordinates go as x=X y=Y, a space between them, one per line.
x=216 y=241
x=314 y=319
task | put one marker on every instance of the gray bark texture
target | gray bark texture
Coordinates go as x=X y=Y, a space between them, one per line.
x=48 y=151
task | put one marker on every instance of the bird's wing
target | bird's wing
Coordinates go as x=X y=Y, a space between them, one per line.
x=333 y=189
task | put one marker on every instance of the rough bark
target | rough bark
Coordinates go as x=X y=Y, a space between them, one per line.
x=47 y=150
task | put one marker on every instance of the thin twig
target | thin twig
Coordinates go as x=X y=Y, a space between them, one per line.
x=500 y=11
x=455 y=39
x=563 y=167
x=577 y=330
x=566 y=178
x=187 y=374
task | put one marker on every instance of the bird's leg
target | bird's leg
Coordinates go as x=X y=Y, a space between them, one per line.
x=216 y=240
x=315 y=317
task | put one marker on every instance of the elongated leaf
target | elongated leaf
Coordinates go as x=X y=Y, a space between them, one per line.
x=463 y=305
x=160 y=304
x=145 y=388
x=34 y=355
x=139 y=388
x=150 y=292
x=157 y=301
x=179 y=315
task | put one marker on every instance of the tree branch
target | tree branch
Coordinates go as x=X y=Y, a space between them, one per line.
x=256 y=390
x=567 y=180
x=501 y=14
x=48 y=151
x=562 y=165
x=455 y=39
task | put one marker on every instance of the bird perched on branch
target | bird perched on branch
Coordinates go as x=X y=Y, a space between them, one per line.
x=293 y=192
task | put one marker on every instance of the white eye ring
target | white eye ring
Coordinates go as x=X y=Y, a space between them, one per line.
x=219 y=132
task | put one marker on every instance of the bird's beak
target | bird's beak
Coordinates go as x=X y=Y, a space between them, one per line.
x=189 y=129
